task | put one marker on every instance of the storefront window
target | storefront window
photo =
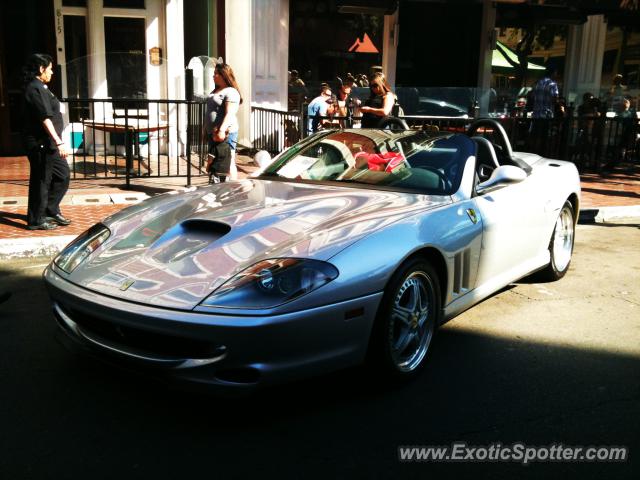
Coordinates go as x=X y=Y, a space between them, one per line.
x=325 y=44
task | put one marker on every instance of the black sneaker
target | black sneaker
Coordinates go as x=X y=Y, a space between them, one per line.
x=42 y=226
x=59 y=219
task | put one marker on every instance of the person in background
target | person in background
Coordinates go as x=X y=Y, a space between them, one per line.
x=46 y=150
x=221 y=123
x=345 y=103
x=380 y=102
x=295 y=80
x=587 y=114
x=545 y=107
x=617 y=94
x=546 y=96
x=626 y=129
x=318 y=108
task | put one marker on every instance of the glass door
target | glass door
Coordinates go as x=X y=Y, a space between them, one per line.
x=76 y=67
x=126 y=64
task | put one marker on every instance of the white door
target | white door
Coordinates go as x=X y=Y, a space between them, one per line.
x=270 y=53
x=511 y=230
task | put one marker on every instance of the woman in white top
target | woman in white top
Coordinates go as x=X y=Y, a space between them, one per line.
x=221 y=122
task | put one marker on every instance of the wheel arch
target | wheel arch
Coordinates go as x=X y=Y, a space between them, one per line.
x=575 y=204
x=436 y=259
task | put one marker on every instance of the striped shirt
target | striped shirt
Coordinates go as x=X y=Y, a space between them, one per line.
x=545 y=94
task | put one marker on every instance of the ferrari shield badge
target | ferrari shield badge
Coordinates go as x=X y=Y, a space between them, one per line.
x=472 y=215
x=126 y=284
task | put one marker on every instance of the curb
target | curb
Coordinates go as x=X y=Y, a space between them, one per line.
x=606 y=214
x=33 y=247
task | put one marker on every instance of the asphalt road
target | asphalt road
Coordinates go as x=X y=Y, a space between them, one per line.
x=537 y=363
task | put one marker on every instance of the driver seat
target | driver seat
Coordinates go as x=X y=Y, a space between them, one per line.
x=486 y=158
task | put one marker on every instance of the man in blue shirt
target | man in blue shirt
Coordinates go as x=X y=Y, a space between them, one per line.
x=545 y=94
x=545 y=99
x=319 y=107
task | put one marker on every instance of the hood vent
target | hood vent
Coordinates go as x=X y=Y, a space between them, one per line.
x=187 y=238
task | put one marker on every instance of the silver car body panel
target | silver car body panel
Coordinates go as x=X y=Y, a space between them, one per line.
x=175 y=267
x=180 y=247
x=276 y=347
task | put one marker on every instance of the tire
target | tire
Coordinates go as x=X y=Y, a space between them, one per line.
x=561 y=245
x=406 y=321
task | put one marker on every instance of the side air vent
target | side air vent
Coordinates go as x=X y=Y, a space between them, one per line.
x=461 y=271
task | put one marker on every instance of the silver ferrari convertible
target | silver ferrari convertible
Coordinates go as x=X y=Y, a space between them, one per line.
x=350 y=247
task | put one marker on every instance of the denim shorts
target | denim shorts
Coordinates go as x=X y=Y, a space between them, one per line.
x=232 y=139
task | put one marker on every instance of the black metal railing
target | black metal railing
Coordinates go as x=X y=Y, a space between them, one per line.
x=275 y=130
x=128 y=138
x=591 y=143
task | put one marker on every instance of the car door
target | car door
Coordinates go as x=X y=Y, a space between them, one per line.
x=511 y=218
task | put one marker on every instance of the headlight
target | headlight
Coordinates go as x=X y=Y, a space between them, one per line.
x=83 y=246
x=271 y=283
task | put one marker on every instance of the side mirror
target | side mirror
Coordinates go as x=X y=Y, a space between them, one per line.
x=262 y=159
x=501 y=177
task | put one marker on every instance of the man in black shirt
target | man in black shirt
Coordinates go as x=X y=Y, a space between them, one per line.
x=42 y=131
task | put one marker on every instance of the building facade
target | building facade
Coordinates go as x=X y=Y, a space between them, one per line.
x=140 y=48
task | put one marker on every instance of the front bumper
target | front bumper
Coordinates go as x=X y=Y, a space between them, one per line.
x=225 y=351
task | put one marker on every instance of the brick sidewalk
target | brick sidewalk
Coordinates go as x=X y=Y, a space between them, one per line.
x=618 y=189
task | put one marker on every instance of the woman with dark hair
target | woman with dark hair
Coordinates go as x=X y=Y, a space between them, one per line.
x=221 y=123
x=380 y=102
x=42 y=133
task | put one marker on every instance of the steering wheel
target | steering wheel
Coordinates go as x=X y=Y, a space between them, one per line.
x=502 y=144
x=393 y=124
x=441 y=176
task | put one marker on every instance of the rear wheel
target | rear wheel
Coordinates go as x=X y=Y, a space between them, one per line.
x=561 y=244
x=406 y=321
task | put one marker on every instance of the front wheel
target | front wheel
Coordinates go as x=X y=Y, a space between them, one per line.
x=561 y=244
x=406 y=321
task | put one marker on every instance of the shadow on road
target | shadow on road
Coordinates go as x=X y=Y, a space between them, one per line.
x=68 y=416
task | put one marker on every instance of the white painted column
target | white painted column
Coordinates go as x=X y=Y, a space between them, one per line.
x=239 y=23
x=585 y=53
x=487 y=42
x=175 y=49
x=390 y=47
x=175 y=73
x=97 y=71
x=155 y=37
x=96 y=49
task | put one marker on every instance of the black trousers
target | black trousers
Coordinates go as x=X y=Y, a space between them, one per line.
x=48 y=183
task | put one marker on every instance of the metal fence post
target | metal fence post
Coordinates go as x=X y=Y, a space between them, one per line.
x=302 y=122
x=189 y=106
x=188 y=84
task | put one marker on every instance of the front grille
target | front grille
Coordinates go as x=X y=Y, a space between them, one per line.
x=144 y=341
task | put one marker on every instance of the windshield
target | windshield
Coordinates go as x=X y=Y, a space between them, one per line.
x=423 y=162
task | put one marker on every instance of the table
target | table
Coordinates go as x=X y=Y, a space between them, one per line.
x=130 y=127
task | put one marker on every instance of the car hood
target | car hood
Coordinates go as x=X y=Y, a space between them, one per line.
x=175 y=249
